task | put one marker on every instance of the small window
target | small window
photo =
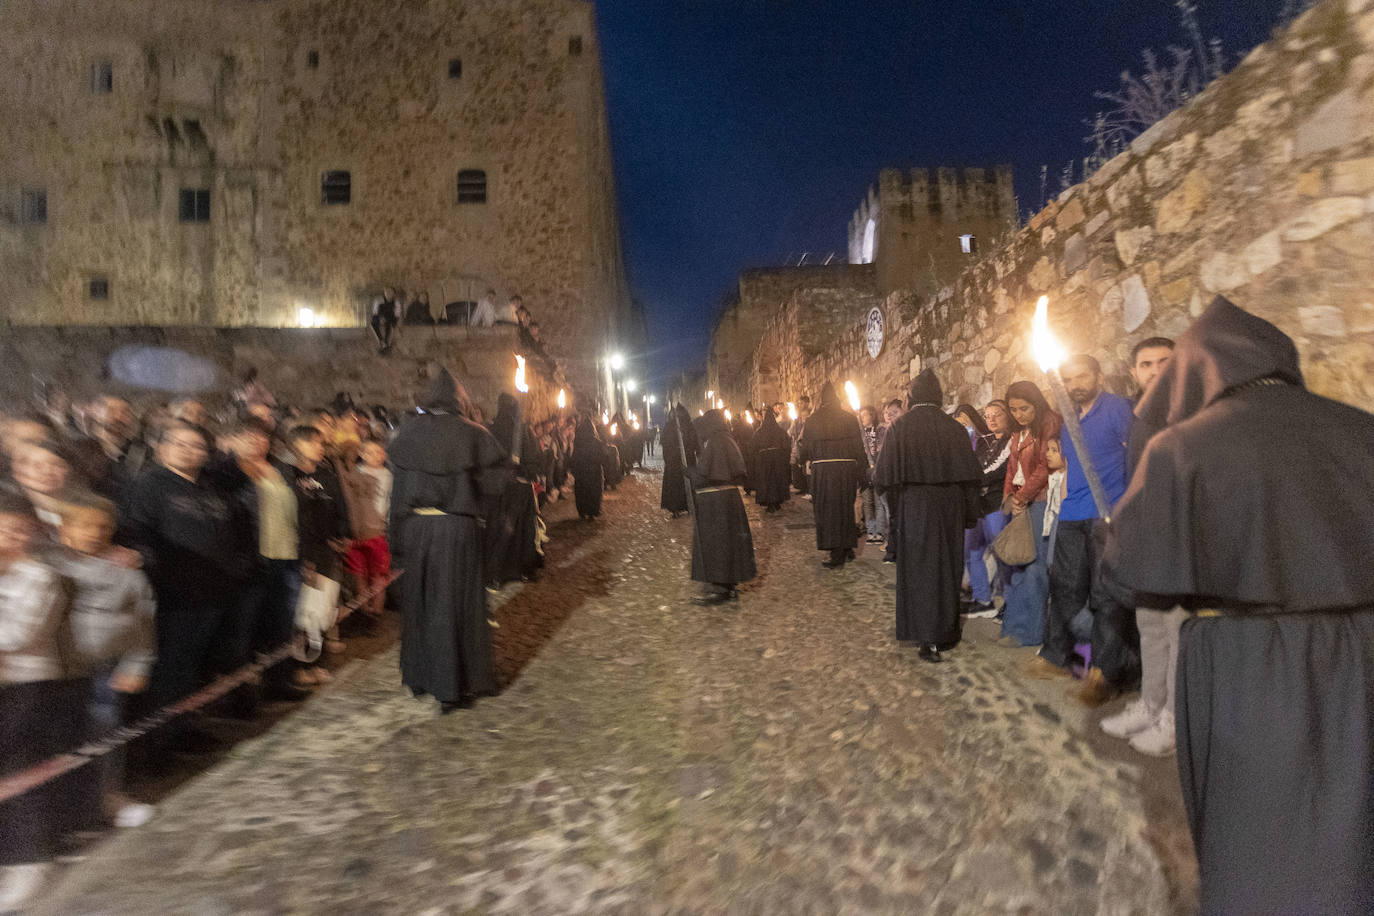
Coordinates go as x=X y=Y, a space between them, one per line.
x=968 y=244
x=472 y=186
x=575 y=46
x=99 y=288
x=336 y=188
x=195 y=205
x=312 y=60
x=455 y=69
x=102 y=77
x=33 y=207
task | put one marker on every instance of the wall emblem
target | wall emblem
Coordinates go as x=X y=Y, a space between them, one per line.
x=873 y=332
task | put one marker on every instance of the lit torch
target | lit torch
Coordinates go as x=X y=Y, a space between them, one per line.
x=720 y=403
x=520 y=384
x=562 y=399
x=852 y=393
x=1049 y=354
x=728 y=418
x=605 y=418
x=791 y=411
x=749 y=417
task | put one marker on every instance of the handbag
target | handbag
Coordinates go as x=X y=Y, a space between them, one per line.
x=317 y=610
x=1015 y=545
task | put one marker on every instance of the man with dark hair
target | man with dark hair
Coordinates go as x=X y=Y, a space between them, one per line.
x=1252 y=508
x=1148 y=359
x=1106 y=421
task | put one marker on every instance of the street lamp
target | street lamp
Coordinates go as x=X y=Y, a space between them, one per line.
x=617 y=362
x=631 y=385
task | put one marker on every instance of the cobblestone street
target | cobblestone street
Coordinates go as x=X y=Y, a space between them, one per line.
x=779 y=755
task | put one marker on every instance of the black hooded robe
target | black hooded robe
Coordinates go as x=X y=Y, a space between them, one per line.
x=513 y=515
x=928 y=474
x=674 y=494
x=772 y=459
x=722 y=544
x=834 y=445
x=588 y=466
x=1254 y=505
x=445 y=468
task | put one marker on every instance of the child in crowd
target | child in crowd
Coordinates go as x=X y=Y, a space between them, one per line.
x=1054 y=492
x=367 y=484
x=112 y=630
x=323 y=530
x=41 y=701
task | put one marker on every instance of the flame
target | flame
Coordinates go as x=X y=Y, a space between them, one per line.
x=636 y=425
x=728 y=418
x=615 y=429
x=1048 y=353
x=791 y=411
x=605 y=418
x=720 y=404
x=853 y=394
x=749 y=417
x=562 y=399
x=520 y=384
x=701 y=413
x=711 y=395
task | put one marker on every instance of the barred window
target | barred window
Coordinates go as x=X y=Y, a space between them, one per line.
x=99 y=288
x=312 y=59
x=195 y=205
x=102 y=77
x=455 y=69
x=575 y=46
x=336 y=188
x=968 y=244
x=472 y=186
x=33 y=206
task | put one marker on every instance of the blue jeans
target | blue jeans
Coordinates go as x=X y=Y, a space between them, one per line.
x=875 y=513
x=977 y=540
x=1028 y=588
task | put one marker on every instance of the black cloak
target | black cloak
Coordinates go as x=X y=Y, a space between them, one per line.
x=1256 y=500
x=772 y=457
x=512 y=549
x=928 y=474
x=446 y=467
x=674 y=495
x=588 y=466
x=722 y=544
x=834 y=444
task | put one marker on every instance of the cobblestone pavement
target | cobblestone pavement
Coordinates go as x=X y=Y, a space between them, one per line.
x=781 y=755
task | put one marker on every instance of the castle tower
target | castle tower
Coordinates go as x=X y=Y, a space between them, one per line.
x=233 y=162
x=921 y=230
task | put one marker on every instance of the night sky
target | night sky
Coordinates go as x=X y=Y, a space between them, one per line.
x=747 y=131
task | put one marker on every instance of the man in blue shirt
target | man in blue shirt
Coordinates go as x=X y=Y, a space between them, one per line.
x=1106 y=420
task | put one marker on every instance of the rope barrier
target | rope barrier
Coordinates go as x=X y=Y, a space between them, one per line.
x=16 y=784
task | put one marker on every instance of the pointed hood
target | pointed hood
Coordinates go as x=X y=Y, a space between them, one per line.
x=828 y=395
x=1225 y=348
x=925 y=389
x=445 y=395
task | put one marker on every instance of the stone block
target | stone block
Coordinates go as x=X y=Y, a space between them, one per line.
x=1130 y=241
x=1071 y=215
x=1321 y=217
x=1223 y=271
x=1310 y=183
x=1178 y=206
x=1047 y=235
x=1042 y=275
x=1109 y=170
x=1096 y=223
x=1224 y=144
x=992 y=360
x=1075 y=253
x=1353 y=176
x=1112 y=301
x=1332 y=125
x=1121 y=191
x=1151 y=274
x=1044 y=216
x=1135 y=306
x=1325 y=320
x=1161 y=131
x=1176 y=292
x=1263 y=253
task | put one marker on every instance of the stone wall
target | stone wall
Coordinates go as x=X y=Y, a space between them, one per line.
x=302 y=367
x=1262 y=189
x=254 y=102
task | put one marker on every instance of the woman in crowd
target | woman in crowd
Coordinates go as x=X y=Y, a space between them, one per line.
x=43 y=470
x=992 y=447
x=1033 y=424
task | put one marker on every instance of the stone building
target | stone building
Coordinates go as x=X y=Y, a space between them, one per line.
x=921 y=233
x=248 y=163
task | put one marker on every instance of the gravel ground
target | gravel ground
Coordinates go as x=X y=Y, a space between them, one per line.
x=782 y=754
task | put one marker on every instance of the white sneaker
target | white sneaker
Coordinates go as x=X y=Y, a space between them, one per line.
x=1132 y=720
x=134 y=814
x=1158 y=739
x=19 y=884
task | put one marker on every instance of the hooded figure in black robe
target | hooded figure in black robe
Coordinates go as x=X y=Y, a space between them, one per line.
x=513 y=515
x=1253 y=505
x=743 y=435
x=446 y=468
x=614 y=437
x=722 y=544
x=930 y=478
x=679 y=435
x=834 y=445
x=772 y=459
x=588 y=466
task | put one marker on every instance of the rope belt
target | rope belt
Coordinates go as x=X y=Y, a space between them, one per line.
x=833 y=460
x=430 y=510
x=718 y=489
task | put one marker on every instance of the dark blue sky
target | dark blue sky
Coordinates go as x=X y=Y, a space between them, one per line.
x=745 y=131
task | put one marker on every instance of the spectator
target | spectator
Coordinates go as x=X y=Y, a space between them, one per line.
x=43 y=470
x=41 y=700
x=112 y=627
x=115 y=430
x=799 y=480
x=1106 y=421
x=386 y=314
x=874 y=509
x=992 y=449
x=510 y=314
x=368 y=559
x=191 y=411
x=418 y=313
x=1033 y=425
x=484 y=314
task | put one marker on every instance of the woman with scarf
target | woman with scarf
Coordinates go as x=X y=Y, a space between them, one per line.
x=722 y=545
x=1251 y=506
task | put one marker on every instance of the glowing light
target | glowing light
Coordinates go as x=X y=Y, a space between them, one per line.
x=605 y=418
x=749 y=417
x=653 y=399
x=636 y=425
x=701 y=413
x=306 y=318
x=617 y=362
x=520 y=384
x=720 y=404
x=852 y=393
x=711 y=395
x=562 y=399
x=728 y=418
x=791 y=411
x=631 y=385
x=1048 y=353
x=615 y=429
